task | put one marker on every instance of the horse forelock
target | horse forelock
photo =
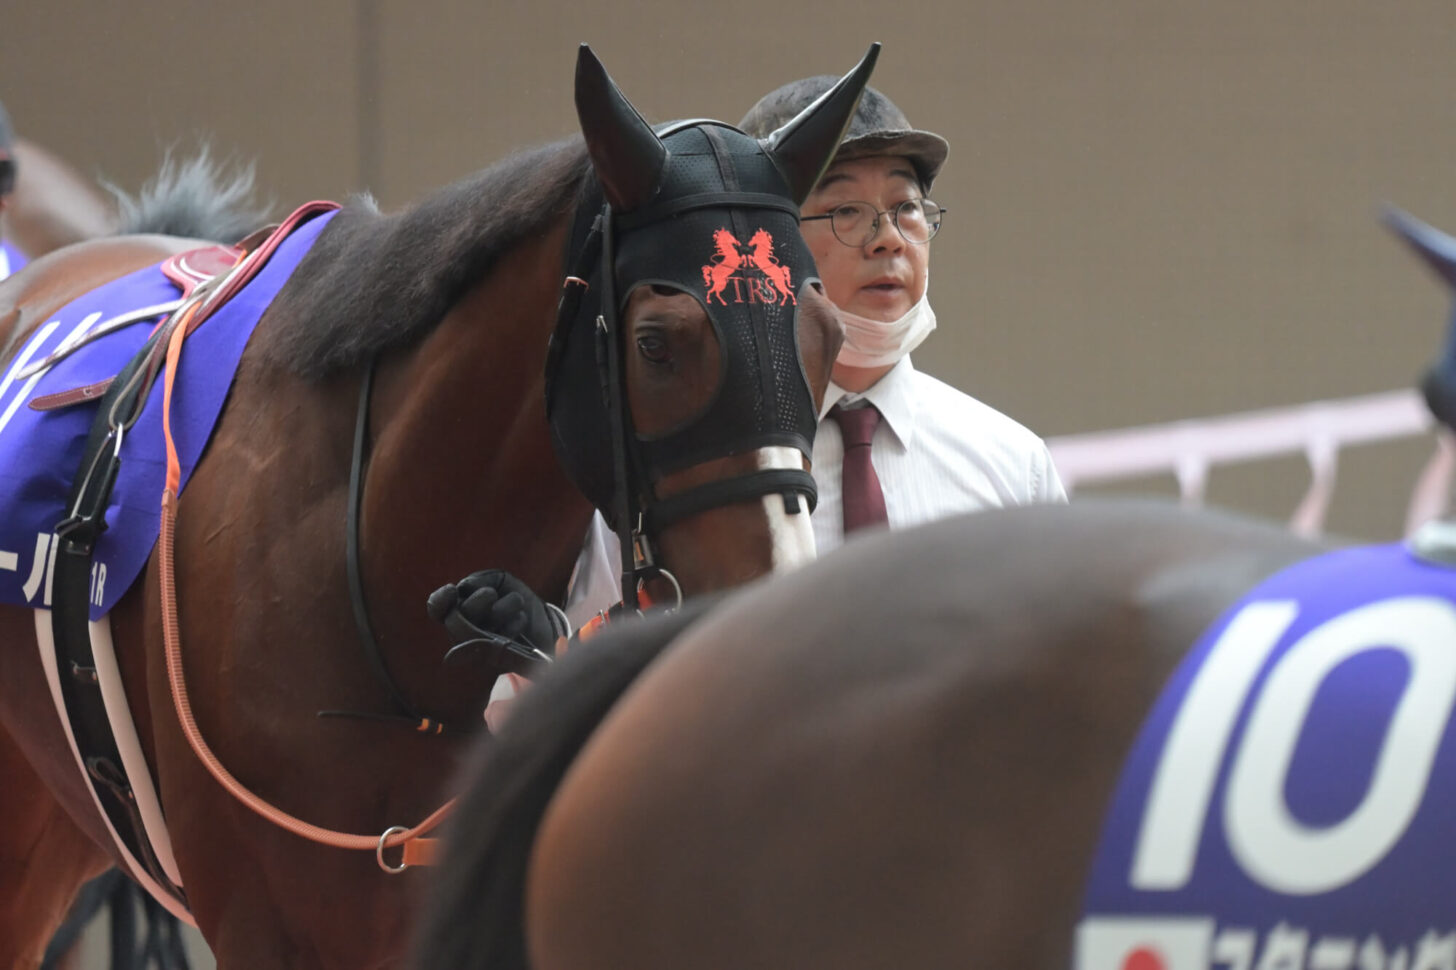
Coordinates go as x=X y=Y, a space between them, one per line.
x=375 y=282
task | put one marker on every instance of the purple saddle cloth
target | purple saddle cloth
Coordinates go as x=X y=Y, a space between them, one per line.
x=40 y=451
x=1290 y=799
x=11 y=259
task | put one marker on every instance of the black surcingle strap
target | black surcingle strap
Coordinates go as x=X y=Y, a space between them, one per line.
x=75 y=546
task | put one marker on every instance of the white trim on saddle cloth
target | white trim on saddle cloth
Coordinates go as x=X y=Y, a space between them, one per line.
x=118 y=712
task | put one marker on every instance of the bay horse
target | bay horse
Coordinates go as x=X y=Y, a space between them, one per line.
x=1114 y=735
x=53 y=205
x=423 y=392
x=45 y=203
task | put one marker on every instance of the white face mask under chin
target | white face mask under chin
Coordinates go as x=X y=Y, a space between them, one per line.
x=875 y=343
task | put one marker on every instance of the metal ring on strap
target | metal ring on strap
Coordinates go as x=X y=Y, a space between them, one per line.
x=676 y=589
x=379 y=850
x=559 y=620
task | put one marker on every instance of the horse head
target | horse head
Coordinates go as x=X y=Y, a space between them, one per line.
x=683 y=385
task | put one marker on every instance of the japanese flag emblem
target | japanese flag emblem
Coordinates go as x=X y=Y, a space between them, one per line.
x=1143 y=943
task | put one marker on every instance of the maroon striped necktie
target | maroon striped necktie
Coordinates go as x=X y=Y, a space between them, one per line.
x=864 y=502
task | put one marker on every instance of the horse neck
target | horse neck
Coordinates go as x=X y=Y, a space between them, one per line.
x=462 y=474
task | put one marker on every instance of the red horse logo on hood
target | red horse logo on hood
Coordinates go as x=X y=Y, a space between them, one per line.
x=776 y=272
x=722 y=265
x=775 y=285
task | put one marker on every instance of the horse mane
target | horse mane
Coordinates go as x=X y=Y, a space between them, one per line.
x=374 y=282
x=475 y=916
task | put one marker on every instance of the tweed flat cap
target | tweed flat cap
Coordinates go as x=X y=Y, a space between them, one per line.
x=877 y=128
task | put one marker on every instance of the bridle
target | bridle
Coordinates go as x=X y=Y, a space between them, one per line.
x=637 y=514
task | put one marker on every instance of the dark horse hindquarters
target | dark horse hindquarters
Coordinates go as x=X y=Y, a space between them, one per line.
x=803 y=783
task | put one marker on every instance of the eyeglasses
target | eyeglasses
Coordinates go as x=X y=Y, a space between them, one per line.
x=856 y=223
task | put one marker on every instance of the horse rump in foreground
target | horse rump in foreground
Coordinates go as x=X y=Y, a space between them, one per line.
x=1114 y=736
x=299 y=437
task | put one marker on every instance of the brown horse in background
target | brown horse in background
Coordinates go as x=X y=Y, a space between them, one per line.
x=455 y=299
x=52 y=205
x=906 y=754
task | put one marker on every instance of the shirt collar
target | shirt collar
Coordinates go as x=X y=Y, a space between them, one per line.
x=891 y=395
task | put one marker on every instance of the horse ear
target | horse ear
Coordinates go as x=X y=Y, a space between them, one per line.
x=805 y=145
x=1439 y=251
x=1430 y=243
x=626 y=153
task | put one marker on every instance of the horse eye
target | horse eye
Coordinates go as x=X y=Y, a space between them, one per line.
x=654 y=348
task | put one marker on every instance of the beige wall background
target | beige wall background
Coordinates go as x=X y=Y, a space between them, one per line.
x=1159 y=209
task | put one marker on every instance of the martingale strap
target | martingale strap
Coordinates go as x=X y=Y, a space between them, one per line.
x=76 y=535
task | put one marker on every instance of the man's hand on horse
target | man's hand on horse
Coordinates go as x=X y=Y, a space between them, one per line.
x=491 y=606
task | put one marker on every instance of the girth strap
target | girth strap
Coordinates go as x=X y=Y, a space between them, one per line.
x=76 y=537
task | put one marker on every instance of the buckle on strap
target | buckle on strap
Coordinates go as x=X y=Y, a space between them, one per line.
x=88 y=515
x=644 y=560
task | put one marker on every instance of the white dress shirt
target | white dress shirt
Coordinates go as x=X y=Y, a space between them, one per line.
x=937 y=452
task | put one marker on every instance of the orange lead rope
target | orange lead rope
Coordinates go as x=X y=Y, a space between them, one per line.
x=417 y=850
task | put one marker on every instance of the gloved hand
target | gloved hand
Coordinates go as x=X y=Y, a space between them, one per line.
x=492 y=601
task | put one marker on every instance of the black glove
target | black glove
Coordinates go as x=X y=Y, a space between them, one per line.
x=492 y=604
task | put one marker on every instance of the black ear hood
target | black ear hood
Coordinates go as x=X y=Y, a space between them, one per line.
x=743 y=263
x=701 y=207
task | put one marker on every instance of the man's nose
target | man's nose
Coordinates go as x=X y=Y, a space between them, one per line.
x=887 y=238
